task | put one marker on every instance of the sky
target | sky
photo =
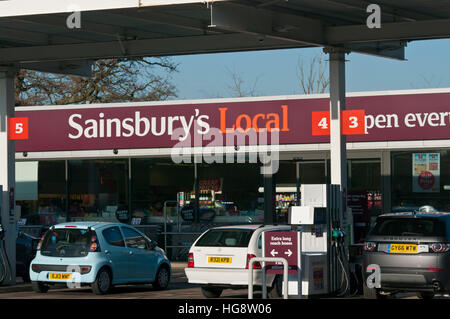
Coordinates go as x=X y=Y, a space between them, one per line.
x=274 y=72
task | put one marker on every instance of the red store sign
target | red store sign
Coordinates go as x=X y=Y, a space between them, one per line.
x=394 y=117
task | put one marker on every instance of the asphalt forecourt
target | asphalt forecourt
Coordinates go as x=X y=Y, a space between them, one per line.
x=178 y=289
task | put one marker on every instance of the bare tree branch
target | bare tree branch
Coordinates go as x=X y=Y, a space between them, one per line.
x=238 y=87
x=113 y=80
x=313 y=77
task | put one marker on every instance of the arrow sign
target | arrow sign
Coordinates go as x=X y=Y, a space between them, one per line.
x=283 y=244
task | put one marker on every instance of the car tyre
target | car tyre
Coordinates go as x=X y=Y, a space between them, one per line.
x=39 y=287
x=425 y=295
x=211 y=292
x=103 y=283
x=162 y=278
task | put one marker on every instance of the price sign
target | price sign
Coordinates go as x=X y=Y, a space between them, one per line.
x=353 y=122
x=18 y=128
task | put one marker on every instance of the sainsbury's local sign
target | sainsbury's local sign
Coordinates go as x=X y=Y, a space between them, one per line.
x=410 y=115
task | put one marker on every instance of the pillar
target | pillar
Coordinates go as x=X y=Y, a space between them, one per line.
x=338 y=146
x=7 y=169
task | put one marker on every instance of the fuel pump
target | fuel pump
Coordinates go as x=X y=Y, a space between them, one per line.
x=6 y=269
x=324 y=257
x=4 y=262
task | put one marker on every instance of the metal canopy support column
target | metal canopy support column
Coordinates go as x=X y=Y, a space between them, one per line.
x=338 y=150
x=338 y=156
x=7 y=169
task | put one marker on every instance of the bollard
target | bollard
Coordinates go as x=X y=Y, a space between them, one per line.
x=267 y=259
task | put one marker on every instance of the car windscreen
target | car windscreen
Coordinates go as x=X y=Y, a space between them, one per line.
x=66 y=242
x=409 y=226
x=225 y=238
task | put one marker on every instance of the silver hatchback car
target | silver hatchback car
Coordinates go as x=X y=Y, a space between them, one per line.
x=411 y=253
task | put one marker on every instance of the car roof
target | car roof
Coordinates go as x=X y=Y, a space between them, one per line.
x=417 y=214
x=94 y=225
x=252 y=227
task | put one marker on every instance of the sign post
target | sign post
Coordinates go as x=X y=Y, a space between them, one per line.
x=285 y=245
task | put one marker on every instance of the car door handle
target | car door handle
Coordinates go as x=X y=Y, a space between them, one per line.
x=131 y=253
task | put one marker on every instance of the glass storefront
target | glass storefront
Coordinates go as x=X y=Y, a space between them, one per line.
x=156 y=186
x=230 y=192
x=364 y=194
x=140 y=190
x=41 y=192
x=420 y=180
x=309 y=172
x=98 y=190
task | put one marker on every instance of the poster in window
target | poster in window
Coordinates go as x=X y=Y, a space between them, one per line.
x=426 y=172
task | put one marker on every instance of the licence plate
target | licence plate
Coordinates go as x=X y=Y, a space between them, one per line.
x=402 y=249
x=220 y=260
x=60 y=276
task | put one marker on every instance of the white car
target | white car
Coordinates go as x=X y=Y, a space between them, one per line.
x=219 y=259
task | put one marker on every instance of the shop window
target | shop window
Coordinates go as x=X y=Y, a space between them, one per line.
x=310 y=172
x=99 y=190
x=229 y=193
x=364 y=194
x=420 y=180
x=41 y=192
x=160 y=185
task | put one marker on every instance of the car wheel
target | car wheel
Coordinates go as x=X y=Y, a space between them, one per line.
x=103 y=282
x=211 y=292
x=162 y=278
x=425 y=295
x=39 y=287
x=276 y=291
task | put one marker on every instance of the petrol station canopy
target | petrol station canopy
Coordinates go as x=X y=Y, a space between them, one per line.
x=35 y=35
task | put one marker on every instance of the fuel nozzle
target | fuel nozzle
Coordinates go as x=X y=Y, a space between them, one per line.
x=338 y=233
